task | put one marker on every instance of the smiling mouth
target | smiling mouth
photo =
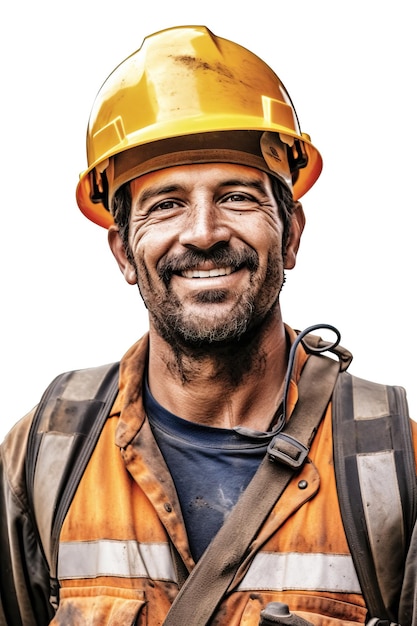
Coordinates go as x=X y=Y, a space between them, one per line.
x=216 y=263
x=213 y=273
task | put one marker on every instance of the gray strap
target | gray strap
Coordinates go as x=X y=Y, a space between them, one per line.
x=376 y=483
x=210 y=579
x=64 y=431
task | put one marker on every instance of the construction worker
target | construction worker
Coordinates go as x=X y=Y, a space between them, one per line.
x=196 y=164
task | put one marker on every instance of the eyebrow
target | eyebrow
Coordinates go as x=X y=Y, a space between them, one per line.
x=245 y=182
x=157 y=190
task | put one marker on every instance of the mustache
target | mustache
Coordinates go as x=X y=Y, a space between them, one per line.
x=222 y=257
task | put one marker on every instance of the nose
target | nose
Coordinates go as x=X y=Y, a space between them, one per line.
x=204 y=227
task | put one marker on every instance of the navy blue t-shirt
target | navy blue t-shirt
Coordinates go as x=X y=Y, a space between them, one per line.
x=210 y=468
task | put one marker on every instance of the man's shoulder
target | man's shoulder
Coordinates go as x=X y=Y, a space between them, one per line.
x=66 y=407
x=13 y=454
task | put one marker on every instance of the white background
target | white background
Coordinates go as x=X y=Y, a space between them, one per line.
x=350 y=68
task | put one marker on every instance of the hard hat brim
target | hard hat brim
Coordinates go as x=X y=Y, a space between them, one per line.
x=237 y=146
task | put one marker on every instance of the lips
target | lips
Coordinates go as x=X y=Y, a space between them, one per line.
x=212 y=273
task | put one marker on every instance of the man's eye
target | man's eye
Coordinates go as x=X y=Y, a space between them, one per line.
x=165 y=205
x=239 y=198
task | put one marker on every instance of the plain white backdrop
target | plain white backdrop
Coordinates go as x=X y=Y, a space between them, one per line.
x=350 y=70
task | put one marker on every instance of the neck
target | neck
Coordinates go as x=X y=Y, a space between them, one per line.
x=226 y=385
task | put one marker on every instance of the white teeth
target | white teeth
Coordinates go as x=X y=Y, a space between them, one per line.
x=219 y=271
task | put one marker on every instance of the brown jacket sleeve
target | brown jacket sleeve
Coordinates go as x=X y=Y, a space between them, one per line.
x=24 y=577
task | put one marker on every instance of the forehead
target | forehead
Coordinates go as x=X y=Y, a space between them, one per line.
x=200 y=175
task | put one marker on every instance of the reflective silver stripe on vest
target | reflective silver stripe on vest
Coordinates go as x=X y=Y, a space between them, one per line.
x=312 y=572
x=275 y=572
x=126 y=559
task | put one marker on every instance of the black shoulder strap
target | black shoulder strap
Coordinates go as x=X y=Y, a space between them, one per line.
x=64 y=431
x=376 y=482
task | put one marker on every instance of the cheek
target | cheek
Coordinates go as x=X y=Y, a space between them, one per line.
x=137 y=232
x=145 y=283
x=147 y=253
x=151 y=243
x=266 y=239
x=271 y=259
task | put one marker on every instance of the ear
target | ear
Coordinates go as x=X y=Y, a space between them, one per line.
x=298 y=221
x=117 y=247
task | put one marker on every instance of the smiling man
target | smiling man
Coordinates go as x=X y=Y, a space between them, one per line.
x=200 y=482
x=206 y=247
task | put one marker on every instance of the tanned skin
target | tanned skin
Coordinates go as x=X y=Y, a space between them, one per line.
x=205 y=249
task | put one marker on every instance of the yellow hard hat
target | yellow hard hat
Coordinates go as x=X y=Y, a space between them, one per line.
x=187 y=96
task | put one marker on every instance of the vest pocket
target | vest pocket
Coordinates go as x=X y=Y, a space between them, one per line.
x=104 y=606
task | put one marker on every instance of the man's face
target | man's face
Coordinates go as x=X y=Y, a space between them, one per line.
x=205 y=250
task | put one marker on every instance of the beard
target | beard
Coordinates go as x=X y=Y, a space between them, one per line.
x=186 y=331
x=176 y=326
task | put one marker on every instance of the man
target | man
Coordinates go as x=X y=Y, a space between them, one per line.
x=196 y=164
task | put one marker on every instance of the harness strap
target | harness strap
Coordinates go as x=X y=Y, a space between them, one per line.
x=65 y=429
x=376 y=485
x=210 y=579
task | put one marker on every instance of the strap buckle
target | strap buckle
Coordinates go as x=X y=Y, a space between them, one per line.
x=287 y=450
